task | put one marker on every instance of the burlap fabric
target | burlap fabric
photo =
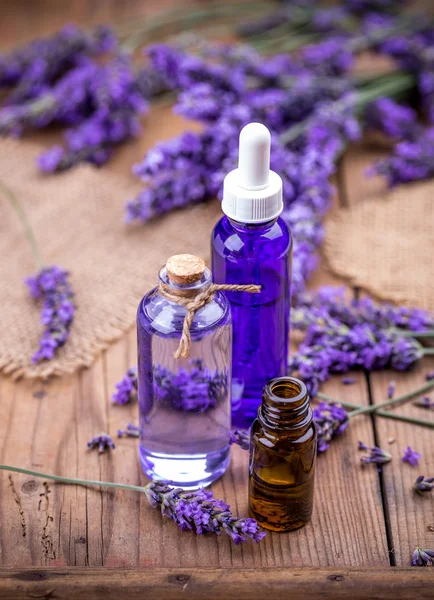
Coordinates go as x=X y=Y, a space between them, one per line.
x=385 y=244
x=78 y=219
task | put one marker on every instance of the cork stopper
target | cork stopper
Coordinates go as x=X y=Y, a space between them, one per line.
x=184 y=269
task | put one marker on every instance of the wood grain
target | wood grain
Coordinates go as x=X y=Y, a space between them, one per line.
x=409 y=518
x=218 y=584
x=411 y=515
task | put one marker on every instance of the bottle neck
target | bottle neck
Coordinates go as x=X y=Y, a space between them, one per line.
x=252 y=227
x=285 y=404
x=190 y=290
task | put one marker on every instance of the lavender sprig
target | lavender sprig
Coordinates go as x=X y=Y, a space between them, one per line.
x=374 y=454
x=201 y=513
x=197 y=511
x=422 y=558
x=33 y=68
x=102 y=441
x=342 y=335
x=423 y=484
x=51 y=285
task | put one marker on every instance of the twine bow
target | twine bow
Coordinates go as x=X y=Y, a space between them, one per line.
x=193 y=304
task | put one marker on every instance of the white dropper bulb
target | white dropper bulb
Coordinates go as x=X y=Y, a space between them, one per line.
x=253 y=193
x=254 y=157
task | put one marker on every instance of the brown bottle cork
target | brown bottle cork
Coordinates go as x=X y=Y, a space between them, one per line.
x=184 y=269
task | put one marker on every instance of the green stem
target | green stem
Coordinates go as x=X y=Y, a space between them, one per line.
x=390 y=86
x=400 y=399
x=122 y=486
x=136 y=33
x=379 y=413
x=428 y=351
x=9 y=194
x=404 y=418
x=407 y=333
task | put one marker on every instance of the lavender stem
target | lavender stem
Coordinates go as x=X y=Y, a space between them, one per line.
x=122 y=486
x=408 y=396
x=416 y=334
x=9 y=195
x=379 y=413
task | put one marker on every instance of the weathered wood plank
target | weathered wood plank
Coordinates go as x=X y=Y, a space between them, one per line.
x=411 y=516
x=224 y=584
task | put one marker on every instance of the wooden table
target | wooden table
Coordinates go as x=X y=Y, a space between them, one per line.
x=365 y=521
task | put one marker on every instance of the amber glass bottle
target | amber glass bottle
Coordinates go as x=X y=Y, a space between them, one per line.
x=282 y=457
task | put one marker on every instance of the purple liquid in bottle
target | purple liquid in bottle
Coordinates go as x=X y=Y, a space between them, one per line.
x=251 y=244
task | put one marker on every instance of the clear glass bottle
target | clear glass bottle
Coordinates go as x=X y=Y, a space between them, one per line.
x=184 y=404
x=282 y=457
x=252 y=244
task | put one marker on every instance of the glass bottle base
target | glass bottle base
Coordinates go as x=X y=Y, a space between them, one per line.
x=189 y=471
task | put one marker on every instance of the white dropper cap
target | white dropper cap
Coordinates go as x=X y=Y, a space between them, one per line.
x=253 y=193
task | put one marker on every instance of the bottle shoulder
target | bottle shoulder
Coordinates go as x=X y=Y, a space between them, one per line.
x=157 y=314
x=275 y=239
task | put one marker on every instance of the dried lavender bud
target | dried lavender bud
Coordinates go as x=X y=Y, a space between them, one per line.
x=51 y=285
x=241 y=438
x=348 y=380
x=391 y=389
x=131 y=431
x=429 y=376
x=423 y=484
x=424 y=402
x=200 y=512
x=411 y=457
x=126 y=389
x=103 y=442
x=374 y=454
x=422 y=558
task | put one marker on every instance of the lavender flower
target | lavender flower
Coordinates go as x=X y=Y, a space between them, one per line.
x=348 y=380
x=131 y=431
x=200 y=512
x=330 y=57
x=241 y=438
x=391 y=118
x=424 y=402
x=126 y=389
x=429 y=376
x=341 y=336
x=423 y=484
x=103 y=442
x=411 y=457
x=374 y=454
x=422 y=558
x=330 y=420
x=33 y=69
x=391 y=388
x=51 y=285
x=410 y=160
x=197 y=389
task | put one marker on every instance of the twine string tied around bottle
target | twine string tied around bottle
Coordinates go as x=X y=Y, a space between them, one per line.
x=192 y=305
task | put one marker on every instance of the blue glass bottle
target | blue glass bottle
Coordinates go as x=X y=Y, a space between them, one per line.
x=252 y=244
x=184 y=404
